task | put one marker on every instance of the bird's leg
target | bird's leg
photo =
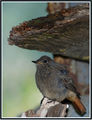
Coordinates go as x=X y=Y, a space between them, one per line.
x=46 y=100
x=42 y=100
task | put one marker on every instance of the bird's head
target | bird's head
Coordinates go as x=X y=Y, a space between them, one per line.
x=44 y=60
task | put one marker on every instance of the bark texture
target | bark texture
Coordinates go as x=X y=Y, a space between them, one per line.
x=65 y=33
x=48 y=108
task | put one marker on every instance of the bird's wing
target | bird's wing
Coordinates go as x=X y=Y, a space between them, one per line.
x=67 y=81
x=62 y=72
x=60 y=67
x=69 y=84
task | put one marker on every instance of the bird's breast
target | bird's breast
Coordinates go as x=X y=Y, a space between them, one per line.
x=42 y=81
x=49 y=84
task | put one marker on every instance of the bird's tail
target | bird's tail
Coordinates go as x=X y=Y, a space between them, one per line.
x=78 y=105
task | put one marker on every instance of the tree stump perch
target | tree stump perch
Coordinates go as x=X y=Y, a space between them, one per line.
x=48 y=108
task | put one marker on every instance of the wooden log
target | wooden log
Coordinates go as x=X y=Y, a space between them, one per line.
x=65 y=33
x=48 y=108
x=55 y=7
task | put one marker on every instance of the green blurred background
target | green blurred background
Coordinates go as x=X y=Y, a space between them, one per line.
x=19 y=89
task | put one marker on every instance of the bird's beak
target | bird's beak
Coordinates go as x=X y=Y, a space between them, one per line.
x=37 y=62
x=34 y=61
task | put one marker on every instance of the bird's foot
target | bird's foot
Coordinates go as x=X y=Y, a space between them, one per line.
x=49 y=101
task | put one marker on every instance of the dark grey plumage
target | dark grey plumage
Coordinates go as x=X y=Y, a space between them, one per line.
x=53 y=80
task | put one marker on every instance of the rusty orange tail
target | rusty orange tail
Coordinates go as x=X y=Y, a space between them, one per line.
x=79 y=106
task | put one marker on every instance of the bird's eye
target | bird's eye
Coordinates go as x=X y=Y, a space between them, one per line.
x=45 y=61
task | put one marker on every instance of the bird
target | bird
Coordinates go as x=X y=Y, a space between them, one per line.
x=54 y=82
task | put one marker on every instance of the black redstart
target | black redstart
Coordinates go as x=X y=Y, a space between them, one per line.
x=54 y=82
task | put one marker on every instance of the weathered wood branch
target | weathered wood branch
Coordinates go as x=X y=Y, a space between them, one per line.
x=65 y=33
x=48 y=108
